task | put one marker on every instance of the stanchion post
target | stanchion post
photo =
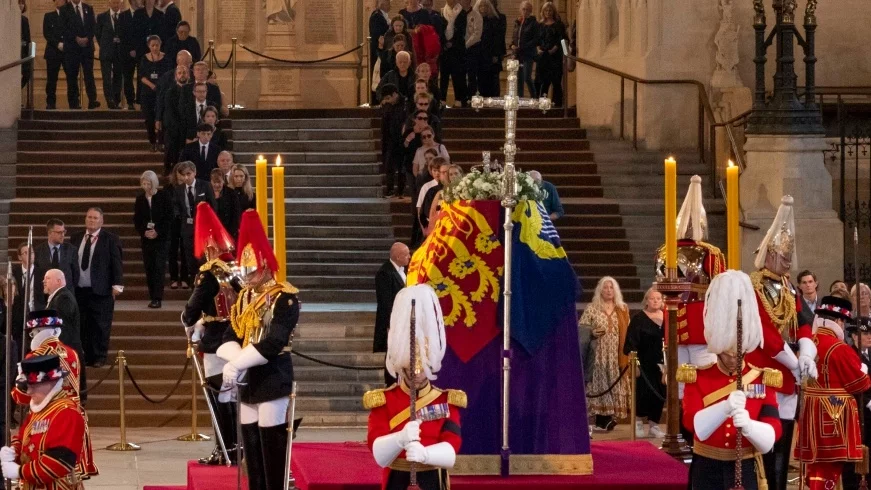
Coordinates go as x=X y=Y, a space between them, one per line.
x=211 y=55
x=369 y=67
x=121 y=363
x=193 y=435
x=233 y=74
x=633 y=394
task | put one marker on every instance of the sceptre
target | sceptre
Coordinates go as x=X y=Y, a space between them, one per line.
x=412 y=392
x=739 y=438
x=7 y=419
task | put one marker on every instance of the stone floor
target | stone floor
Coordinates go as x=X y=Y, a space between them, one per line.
x=163 y=460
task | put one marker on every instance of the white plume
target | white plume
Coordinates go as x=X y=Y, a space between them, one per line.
x=721 y=313
x=429 y=331
x=692 y=213
x=785 y=218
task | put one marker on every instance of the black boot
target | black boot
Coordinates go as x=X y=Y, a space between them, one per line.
x=214 y=459
x=253 y=456
x=275 y=457
x=226 y=414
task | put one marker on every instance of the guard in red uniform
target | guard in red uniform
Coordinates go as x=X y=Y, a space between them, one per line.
x=433 y=439
x=782 y=332
x=44 y=454
x=698 y=263
x=44 y=329
x=714 y=409
x=829 y=433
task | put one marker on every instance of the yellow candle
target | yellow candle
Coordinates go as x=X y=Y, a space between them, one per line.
x=278 y=239
x=670 y=213
x=260 y=190
x=733 y=211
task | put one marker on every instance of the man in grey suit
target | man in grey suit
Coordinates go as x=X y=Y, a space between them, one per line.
x=63 y=301
x=54 y=254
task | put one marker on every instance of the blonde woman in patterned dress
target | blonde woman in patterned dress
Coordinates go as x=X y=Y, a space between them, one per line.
x=608 y=317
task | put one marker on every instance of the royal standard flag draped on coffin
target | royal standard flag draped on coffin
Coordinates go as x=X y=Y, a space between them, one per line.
x=463 y=260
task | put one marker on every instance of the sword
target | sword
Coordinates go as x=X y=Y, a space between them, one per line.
x=27 y=286
x=289 y=480
x=212 y=413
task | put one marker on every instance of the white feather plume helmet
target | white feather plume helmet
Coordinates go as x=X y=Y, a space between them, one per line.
x=692 y=220
x=429 y=331
x=781 y=235
x=721 y=313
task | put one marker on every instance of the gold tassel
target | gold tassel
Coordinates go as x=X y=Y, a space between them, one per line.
x=686 y=373
x=761 y=481
x=772 y=378
x=862 y=466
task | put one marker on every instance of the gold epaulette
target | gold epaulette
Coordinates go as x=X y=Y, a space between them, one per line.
x=458 y=398
x=288 y=288
x=215 y=263
x=374 y=399
x=772 y=378
x=686 y=373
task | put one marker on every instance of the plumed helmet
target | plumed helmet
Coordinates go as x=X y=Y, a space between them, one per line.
x=429 y=332
x=210 y=238
x=254 y=252
x=692 y=220
x=780 y=239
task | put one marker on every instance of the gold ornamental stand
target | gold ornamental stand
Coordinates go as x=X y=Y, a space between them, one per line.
x=193 y=435
x=121 y=362
x=633 y=394
x=672 y=288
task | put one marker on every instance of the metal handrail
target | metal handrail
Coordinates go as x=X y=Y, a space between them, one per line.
x=22 y=61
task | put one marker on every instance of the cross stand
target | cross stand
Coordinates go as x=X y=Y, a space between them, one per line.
x=510 y=103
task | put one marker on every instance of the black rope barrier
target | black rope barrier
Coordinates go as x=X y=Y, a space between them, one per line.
x=171 y=392
x=598 y=395
x=218 y=63
x=300 y=62
x=650 y=385
x=98 y=383
x=206 y=54
x=340 y=366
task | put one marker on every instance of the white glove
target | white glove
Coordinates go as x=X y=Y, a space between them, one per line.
x=863 y=367
x=7 y=455
x=60 y=46
x=807 y=352
x=409 y=433
x=228 y=394
x=386 y=448
x=231 y=374
x=707 y=420
x=248 y=357
x=760 y=434
x=741 y=419
x=415 y=452
x=737 y=401
x=229 y=350
x=10 y=470
x=807 y=366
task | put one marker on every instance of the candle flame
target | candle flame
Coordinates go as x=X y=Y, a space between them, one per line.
x=731 y=163
x=278 y=161
x=260 y=157
x=671 y=159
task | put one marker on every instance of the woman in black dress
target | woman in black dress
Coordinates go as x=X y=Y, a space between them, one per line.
x=644 y=336
x=549 y=54
x=219 y=138
x=228 y=204
x=27 y=68
x=152 y=218
x=151 y=67
x=241 y=185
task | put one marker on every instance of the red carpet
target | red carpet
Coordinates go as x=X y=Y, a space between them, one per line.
x=349 y=466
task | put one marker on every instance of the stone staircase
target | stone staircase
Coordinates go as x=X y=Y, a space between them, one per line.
x=592 y=230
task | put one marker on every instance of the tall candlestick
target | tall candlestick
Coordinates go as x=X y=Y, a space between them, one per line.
x=278 y=241
x=260 y=190
x=670 y=213
x=733 y=211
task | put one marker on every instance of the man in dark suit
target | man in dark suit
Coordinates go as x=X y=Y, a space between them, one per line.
x=807 y=284
x=114 y=49
x=173 y=129
x=18 y=275
x=186 y=196
x=213 y=92
x=79 y=25
x=54 y=254
x=53 y=32
x=100 y=282
x=183 y=40
x=202 y=153
x=389 y=279
x=63 y=301
x=171 y=18
x=193 y=108
x=379 y=24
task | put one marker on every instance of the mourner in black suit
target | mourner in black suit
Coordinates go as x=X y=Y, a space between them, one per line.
x=53 y=32
x=186 y=196
x=193 y=109
x=18 y=276
x=152 y=218
x=202 y=152
x=379 y=24
x=171 y=18
x=130 y=59
x=54 y=254
x=228 y=211
x=181 y=39
x=147 y=21
x=389 y=280
x=114 y=39
x=79 y=26
x=172 y=119
x=100 y=281
x=63 y=301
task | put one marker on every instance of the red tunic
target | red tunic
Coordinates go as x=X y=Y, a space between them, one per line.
x=829 y=430
x=48 y=444
x=712 y=386
x=69 y=361
x=774 y=334
x=390 y=414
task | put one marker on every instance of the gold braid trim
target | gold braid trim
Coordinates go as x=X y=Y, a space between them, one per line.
x=783 y=314
x=247 y=317
x=374 y=399
x=216 y=263
x=458 y=398
x=686 y=373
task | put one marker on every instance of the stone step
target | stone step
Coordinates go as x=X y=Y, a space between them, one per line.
x=151 y=357
x=306 y=330
x=272 y=135
x=80 y=114
x=92 y=127
x=74 y=157
x=291 y=158
x=333 y=170
x=349 y=145
x=304 y=124
x=454 y=132
x=523 y=144
x=312 y=312
x=474 y=123
x=178 y=343
x=182 y=419
x=474 y=156
x=110 y=136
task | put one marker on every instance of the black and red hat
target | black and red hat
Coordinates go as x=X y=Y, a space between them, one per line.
x=835 y=307
x=41 y=369
x=43 y=319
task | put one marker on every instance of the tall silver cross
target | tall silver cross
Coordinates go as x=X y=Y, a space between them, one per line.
x=510 y=103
